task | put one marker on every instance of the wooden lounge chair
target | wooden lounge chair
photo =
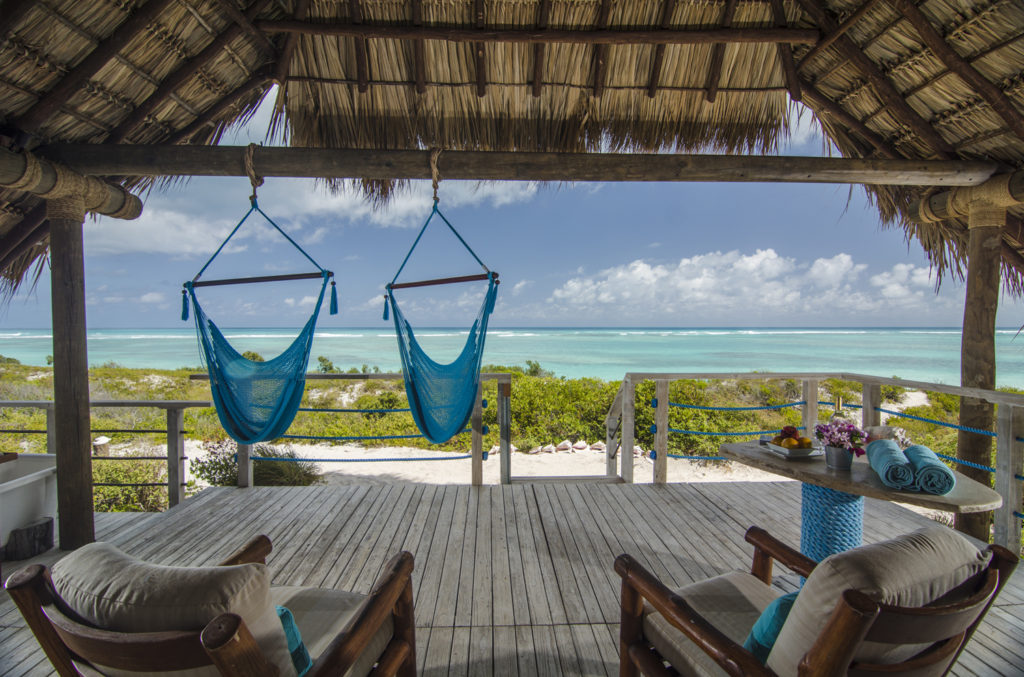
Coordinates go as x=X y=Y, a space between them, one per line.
x=832 y=629
x=345 y=633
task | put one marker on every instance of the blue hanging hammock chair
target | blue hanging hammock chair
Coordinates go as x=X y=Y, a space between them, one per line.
x=441 y=396
x=256 y=401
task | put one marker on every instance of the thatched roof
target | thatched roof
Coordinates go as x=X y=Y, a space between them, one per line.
x=180 y=71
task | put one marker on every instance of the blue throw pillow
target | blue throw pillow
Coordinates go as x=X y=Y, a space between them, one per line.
x=300 y=656
x=766 y=630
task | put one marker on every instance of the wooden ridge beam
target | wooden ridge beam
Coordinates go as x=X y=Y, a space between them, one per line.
x=244 y=21
x=601 y=51
x=822 y=102
x=884 y=89
x=419 y=59
x=284 y=63
x=681 y=36
x=169 y=160
x=180 y=76
x=785 y=52
x=356 y=16
x=43 y=109
x=718 y=54
x=667 y=9
x=480 y=52
x=840 y=31
x=543 y=13
x=986 y=89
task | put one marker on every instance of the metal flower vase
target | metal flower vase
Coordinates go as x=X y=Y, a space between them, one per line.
x=838 y=458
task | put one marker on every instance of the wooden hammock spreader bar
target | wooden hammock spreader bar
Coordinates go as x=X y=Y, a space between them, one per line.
x=264 y=278
x=445 y=280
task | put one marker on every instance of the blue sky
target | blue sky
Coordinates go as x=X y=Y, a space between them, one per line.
x=586 y=254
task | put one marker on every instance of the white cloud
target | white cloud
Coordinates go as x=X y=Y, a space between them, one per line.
x=158 y=231
x=520 y=286
x=152 y=297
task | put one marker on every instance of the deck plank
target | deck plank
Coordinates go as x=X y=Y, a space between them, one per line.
x=508 y=580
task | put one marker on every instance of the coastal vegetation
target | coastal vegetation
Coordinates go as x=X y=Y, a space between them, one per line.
x=545 y=409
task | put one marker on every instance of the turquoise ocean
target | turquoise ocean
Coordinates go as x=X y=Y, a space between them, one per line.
x=926 y=354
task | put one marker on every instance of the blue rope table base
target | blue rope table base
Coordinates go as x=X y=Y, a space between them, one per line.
x=832 y=521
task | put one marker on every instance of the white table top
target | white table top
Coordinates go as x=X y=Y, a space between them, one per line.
x=967 y=496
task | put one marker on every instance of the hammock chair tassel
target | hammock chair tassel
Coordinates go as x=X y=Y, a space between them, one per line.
x=334 y=298
x=385 y=307
x=184 y=305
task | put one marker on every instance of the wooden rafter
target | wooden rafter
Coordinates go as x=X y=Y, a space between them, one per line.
x=181 y=75
x=600 y=51
x=543 y=13
x=356 y=16
x=285 y=62
x=258 y=79
x=786 y=52
x=840 y=30
x=988 y=91
x=419 y=59
x=11 y=246
x=680 y=36
x=31 y=240
x=244 y=21
x=480 y=52
x=449 y=84
x=201 y=160
x=667 y=8
x=884 y=89
x=43 y=109
x=718 y=54
x=823 y=104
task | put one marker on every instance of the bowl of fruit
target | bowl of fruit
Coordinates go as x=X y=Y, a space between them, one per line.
x=791 y=444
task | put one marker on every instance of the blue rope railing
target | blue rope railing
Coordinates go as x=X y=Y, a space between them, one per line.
x=285 y=459
x=356 y=438
x=686 y=457
x=353 y=411
x=654 y=429
x=944 y=424
x=845 y=404
x=654 y=404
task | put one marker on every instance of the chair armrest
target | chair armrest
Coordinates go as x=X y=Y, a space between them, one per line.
x=253 y=552
x=232 y=648
x=636 y=580
x=391 y=595
x=767 y=548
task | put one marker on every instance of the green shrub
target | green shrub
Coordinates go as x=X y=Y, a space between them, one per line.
x=220 y=468
x=130 y=471
x=253 y=356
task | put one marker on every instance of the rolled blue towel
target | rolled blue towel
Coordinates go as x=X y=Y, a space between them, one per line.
x=892 y=466
x=931 y=475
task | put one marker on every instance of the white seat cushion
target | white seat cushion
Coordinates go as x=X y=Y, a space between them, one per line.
x=114 y=591
x=731 y=602
x=911 y=570
x=320 y=614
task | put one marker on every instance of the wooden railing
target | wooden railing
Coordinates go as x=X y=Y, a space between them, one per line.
x=1009 y=433
x=174 y=432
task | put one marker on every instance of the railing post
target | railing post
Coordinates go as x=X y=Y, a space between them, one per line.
x=810 y=411
x=628 y=425
x=871 y=398
x=1009 y=463
x=661 y=433
x=51 y=428
x=477 y=422
x=505 y=429
x=244 y=465
x=612 y=425
x=175 y=456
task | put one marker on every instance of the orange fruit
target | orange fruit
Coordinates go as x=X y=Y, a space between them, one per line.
x=790 y=443
x=806 y=443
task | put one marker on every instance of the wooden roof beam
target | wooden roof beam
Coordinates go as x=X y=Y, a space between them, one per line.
x=180 y=76
x=200 y=160
x=786 y=52
x=284 y=63
x=667 y=9
x=600 y=51
x=543 y=13
x=43 y=109
x=11 y=245
x=244 y=21
x=884 y=89
x=419 y=59
x=258 y=79
x=823 y=103
x=840 y=30
x=682 y=36
x=356 y=16
x=718 y=55
x=478 y=48
x=988 y=91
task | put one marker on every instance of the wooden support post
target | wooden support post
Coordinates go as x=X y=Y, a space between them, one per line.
x=1009 y=464
x=175 y=456
x=810 y=409
x=661 y=433
x=505 y=429
x=871 y=398
x=978 y=349
x=627 y=429
x=72 y=436
x=244 y=466
x=477 y=423
x=51 y=430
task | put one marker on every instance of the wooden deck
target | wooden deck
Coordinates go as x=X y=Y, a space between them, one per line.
x=509 y=579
